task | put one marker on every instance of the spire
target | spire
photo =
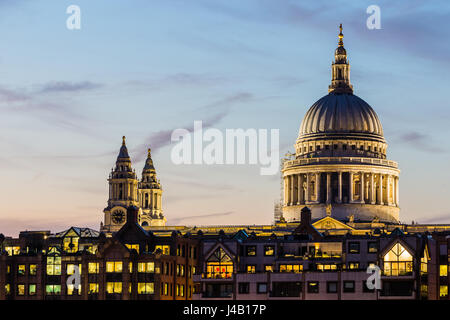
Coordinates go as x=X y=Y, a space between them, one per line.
x=123 y=153
x=149 y=162
x=340 y=69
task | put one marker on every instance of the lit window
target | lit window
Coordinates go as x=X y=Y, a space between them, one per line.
x=71 y=290
x=146 y=267
x=398 y=261
x=268 y=268
x=20 y=289
x=164 y=248
x=326 y=267
x=219 y=265
x=21 y=269
x=32 y=289
x=353 y=247
x=113 y=287
x=372 y=247
x=133 y=247
x=251 y=251
x=114 y=266
x=93 y=288
x=12 y=251
x=70 y=244
x=33 y=269
x=251 y=268
x=353 y=265
x=313 y=287
x=269 y=250
x=7 y=289
x=443 y=270
x=443 y=291
x=70 y=268
x=296 y=268
x=53 y=289
x=145 y=288
x=54 y=266
x=93 y=267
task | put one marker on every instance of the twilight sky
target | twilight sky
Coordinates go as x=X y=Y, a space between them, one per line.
x=143 y=68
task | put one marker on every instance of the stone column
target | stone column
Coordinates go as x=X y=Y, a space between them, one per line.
x=300 y=189
x=380 y=190
x=389 y=190
x=339 y=187
x=293 y=201
x=285 y=190
x=372 y=189
x=362 y=191
x=318 y=187
x=328 y=187
x=396 y=192
x=350 y=187
x=308 y=182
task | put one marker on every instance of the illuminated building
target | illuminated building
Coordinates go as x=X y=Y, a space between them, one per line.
x=339 y=217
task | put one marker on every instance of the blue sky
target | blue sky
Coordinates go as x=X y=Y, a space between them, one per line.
x=145 y=68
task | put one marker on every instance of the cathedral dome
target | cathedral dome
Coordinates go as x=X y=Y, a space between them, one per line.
x=341 y=114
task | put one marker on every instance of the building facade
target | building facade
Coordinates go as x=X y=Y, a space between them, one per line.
x=339 y=217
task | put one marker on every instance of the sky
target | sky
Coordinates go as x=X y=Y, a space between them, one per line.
x=144 y=68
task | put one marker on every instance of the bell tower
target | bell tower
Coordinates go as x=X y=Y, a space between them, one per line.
x=150 y=196
x=123 y=191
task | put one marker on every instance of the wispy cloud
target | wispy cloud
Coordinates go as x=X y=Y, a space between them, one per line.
x=176 y=221
x=162 y=138
x=420 y=141
x=65 y=86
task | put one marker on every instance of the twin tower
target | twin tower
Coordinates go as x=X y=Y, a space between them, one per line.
x=126 y=190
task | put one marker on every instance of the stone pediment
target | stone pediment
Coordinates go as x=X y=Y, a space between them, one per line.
x=330 y=223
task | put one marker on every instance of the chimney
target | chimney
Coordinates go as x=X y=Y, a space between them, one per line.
x=305 y=216
x=132 y=214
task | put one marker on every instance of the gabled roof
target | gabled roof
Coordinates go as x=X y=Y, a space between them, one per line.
x=80 y=232
x=331 y=223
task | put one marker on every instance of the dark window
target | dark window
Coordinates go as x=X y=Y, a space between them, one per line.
x=353 y=147
x=269 y=250
x=327 y=147
x=349 y=286
x=317 y=148
x=251 y=251
x=353 y=247
x=344 y=147
x=262 y=287
x=313 y=287
x=335 y=146
x=286 y=289
x=331 y=286
x=244 y=287
x=397 y=288
x=372 y=247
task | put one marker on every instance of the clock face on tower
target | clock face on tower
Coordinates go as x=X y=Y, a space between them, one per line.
x=118 y=217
